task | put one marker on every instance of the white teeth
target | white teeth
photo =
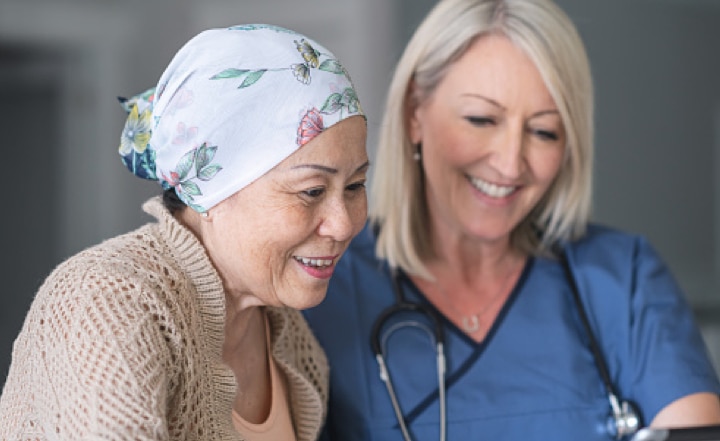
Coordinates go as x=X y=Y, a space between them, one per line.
x=492 y=190
x=314 y=262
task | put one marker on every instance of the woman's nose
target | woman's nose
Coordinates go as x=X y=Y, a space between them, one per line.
x=508 y=153
x=338 y=221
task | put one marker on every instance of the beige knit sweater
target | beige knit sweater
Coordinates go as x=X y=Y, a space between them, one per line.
x=123 y=342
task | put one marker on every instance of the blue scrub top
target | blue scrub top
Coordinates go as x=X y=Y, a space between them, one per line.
x=534 y=376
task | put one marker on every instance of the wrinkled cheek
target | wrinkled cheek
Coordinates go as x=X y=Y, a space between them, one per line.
x=358 y=215
x=274 y=279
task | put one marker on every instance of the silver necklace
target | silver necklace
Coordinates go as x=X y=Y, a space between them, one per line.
x=471 y=323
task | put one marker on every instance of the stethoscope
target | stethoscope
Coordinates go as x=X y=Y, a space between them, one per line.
x=436 y=335
x=624 y=420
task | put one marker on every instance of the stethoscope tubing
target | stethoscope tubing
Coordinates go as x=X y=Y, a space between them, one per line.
x=378 y=346
x=624 y=419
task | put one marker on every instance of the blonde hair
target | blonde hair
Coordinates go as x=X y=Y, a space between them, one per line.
x=543 y=31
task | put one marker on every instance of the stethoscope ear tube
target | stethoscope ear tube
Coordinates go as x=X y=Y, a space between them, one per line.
x=402 y=306
x=385 y=377
x=624 y=419
x=435 y=331
x=375 y=340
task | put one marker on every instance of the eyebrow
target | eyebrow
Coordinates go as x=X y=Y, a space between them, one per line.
x=330 y=170
x=497 y=104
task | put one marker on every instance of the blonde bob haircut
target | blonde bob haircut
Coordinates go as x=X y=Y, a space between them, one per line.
x=545 y=33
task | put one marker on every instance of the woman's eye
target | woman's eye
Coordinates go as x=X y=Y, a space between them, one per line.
x=357 y=186
x=547 y=135
x=314 y=192
x=480 y=121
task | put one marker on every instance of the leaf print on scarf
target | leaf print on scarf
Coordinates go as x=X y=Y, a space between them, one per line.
x=301 y=71
x=198 y=160
x=351 y=101
x=203 y=169
x=311 y=124
x=347 y=99
x=255 y=27
x=250 y=77
x=333 y=66
x=141 y=165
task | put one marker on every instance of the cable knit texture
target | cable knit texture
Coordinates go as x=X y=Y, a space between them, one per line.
x=124 y=340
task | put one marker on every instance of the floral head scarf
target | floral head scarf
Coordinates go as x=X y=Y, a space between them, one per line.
x=232 y=104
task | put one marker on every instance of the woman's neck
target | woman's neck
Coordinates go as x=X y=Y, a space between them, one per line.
x=245 y=350
x=466 y=259
x=471 y=279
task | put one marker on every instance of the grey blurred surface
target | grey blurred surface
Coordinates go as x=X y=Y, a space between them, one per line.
x=63 y=62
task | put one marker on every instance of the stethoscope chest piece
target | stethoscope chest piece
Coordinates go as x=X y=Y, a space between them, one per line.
x=624 y=419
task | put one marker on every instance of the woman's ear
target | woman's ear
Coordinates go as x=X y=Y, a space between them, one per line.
x=411 y=114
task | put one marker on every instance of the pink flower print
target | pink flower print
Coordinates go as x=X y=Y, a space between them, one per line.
x=173 y=180
x=310 y=126
x=335 y=88
x=184 y=134
x=182 y=98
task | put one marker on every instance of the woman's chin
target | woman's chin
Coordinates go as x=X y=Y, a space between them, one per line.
x=305 y=298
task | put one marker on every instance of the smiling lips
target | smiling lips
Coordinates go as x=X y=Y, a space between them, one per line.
x=318 y=263
x=319 y=268
x=493 y=190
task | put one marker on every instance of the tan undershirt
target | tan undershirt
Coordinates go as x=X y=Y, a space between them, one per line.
x=278 y=425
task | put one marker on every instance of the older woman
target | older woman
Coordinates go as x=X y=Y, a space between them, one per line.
x=551 y=328
x=187 y=328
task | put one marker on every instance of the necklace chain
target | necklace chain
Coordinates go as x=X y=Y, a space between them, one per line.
x=471 y=322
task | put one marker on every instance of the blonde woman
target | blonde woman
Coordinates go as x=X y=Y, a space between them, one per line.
x=551 y=328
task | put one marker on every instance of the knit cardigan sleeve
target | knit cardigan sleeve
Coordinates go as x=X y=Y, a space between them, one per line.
x=94 y=358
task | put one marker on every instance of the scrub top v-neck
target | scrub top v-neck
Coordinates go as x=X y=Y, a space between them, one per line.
x=533 y=377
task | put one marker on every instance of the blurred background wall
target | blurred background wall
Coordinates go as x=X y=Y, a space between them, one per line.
x=64 y=62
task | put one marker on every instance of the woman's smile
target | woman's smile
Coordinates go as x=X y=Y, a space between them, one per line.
x=493 y=190
x=318 y=267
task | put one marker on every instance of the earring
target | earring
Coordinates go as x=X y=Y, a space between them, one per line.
x=204 y=214
x=416 y=155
